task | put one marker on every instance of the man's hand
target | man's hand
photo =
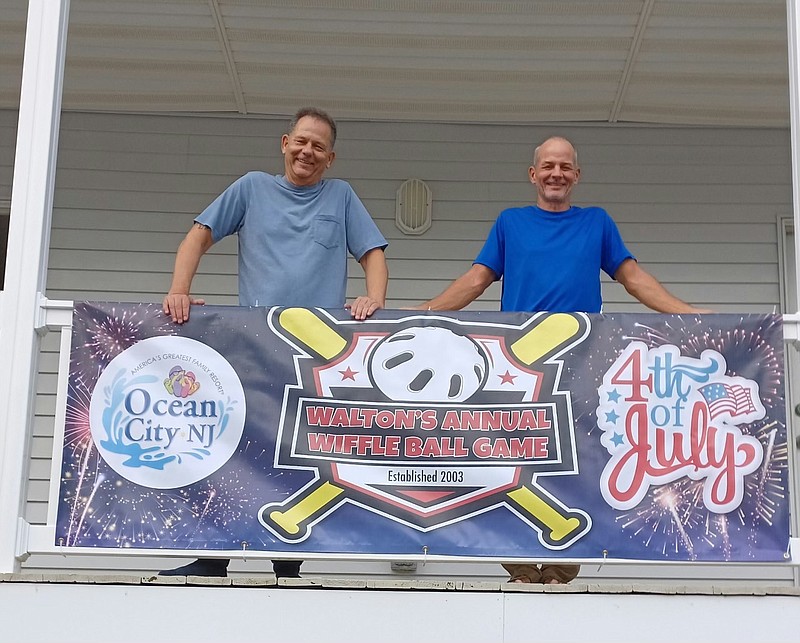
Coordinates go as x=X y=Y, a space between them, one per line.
x=363 y=307
x=177 y=305
x=194 y=245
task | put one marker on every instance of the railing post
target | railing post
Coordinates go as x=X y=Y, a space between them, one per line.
x=26 y=261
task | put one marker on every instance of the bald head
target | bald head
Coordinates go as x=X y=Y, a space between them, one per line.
x=559 y=139
x=554 y=172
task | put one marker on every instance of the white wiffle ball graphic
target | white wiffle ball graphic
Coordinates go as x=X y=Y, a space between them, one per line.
x=428 y=364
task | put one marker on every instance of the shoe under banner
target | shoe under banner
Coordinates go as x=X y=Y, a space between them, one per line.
x=472 y=435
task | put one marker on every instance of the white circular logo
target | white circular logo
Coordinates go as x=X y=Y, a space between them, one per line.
x=167 y=412
x=428 y=364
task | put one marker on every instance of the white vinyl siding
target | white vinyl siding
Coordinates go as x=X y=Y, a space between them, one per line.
x=697 y=206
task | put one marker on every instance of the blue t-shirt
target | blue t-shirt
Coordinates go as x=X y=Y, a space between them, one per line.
x=551 y=261
x=293 y=241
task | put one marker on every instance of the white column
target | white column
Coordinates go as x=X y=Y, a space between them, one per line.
x=26 y=262
x=792 y=33
x=793 y=30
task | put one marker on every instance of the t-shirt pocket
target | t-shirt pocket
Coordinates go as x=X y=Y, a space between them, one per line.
x=327 y=231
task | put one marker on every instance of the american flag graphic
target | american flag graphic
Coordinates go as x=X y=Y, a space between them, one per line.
x=727 y=398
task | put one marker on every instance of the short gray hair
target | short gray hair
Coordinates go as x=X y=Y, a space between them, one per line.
x=320 y=115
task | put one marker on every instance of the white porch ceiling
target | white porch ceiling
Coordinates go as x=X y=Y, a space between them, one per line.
x=645 y=61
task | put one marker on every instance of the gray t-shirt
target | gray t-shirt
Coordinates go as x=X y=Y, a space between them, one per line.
x=293 y=241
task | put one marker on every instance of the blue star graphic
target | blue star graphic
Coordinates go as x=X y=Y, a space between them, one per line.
x=612 y=417
x=617 y=439
x=613 y=396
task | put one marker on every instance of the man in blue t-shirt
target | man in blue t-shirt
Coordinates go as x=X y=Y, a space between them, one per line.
x=549 y=257
x=295 y=233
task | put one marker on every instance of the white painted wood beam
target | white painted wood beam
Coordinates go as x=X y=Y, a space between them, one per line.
x=793 y=32
x=26 y=262
x=633 y=52
x=227 y=54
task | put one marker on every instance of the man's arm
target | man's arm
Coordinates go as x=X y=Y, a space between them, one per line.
x=194 y=245
x=648 y=290
x=463 y=291
x=376 y=275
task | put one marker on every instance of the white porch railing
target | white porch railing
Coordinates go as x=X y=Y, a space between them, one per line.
x=39 y=539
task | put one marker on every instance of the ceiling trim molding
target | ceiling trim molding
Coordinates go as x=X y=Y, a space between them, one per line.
x=227 y=54
x=523 y=77
x=116 y=33
x=457 y=7
x=321 y=39
x=633 y=53
x=144 y=65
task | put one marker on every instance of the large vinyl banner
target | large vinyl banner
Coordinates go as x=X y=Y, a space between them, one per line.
x=540 y=436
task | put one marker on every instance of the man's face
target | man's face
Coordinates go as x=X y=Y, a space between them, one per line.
x=307 y=151
x=554 y=174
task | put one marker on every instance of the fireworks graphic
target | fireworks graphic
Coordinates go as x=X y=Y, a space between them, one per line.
x=78 y=433
x=767 y=490
x=84 y=476
x=747 y=350
x=673 y=518
x=100 y=508
x=111 y=333
x=665 y=520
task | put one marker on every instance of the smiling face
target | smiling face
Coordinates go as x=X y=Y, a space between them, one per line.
x=554 y=172
x=307 y=151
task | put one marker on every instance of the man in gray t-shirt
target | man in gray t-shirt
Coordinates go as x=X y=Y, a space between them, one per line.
x=295 y=232
x=293 y=239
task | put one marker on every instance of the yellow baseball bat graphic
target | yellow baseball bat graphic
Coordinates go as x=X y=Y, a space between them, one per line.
x=546 y=338
x=304 y=325
x=291 y=519
x=558 y=525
